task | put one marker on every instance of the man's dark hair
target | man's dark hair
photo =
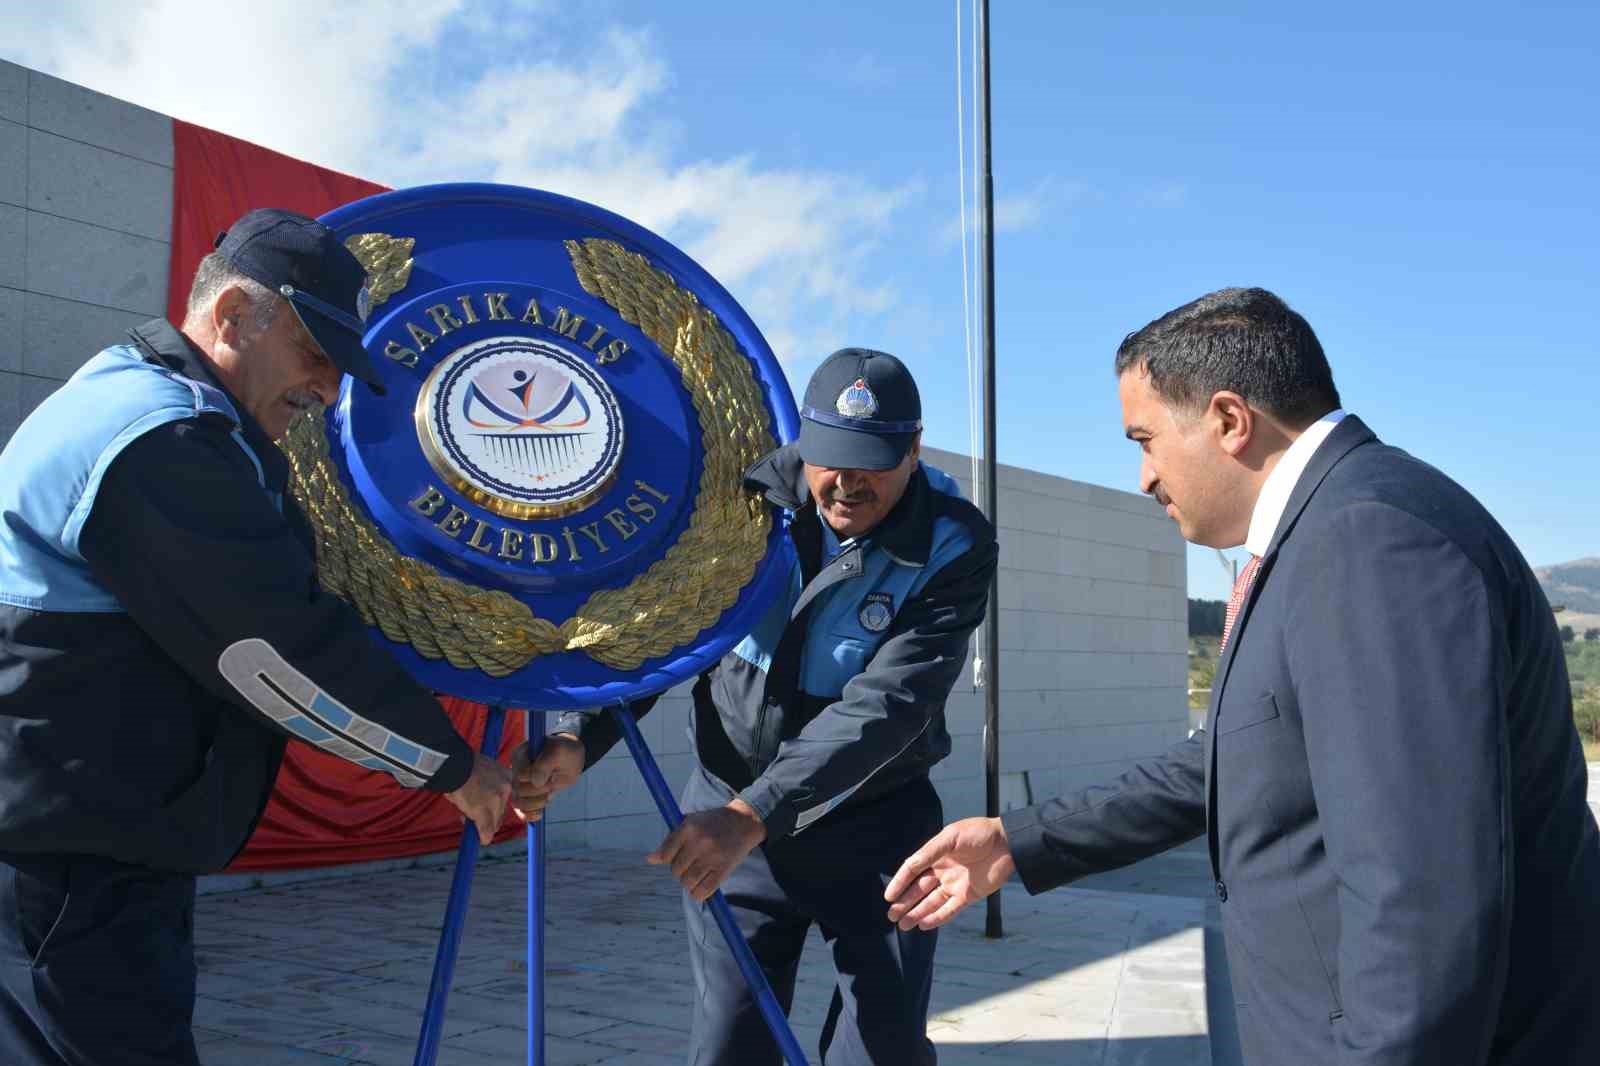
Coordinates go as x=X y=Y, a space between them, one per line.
x=1240 y=340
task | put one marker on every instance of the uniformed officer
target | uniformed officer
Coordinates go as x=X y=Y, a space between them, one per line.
x=162 y=633
x=814 y=737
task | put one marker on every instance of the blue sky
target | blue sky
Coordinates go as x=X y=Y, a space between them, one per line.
x=1417 y=179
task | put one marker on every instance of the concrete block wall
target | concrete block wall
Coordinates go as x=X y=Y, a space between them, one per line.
x=85 y=227
x=1093 y=662
x=1093 y=616
x=1093 y=638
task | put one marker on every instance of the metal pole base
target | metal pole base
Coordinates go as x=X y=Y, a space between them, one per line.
x=444 y=961
x=667 y=804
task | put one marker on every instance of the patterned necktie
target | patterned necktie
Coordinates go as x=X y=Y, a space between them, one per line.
x=1241 y=589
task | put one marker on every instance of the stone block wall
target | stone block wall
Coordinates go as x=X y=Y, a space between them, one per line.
x=85 y=222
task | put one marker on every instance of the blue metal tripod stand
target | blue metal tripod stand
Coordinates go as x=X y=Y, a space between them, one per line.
x=461 y=890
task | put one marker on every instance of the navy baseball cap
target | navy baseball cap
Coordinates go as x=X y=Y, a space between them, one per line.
x=301 y=260
x=861 y=412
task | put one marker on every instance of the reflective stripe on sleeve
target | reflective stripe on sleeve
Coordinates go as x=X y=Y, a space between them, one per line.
x=289 y=698
x=811 y=814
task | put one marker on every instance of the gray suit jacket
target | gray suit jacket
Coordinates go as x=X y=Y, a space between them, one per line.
x=1391 y=785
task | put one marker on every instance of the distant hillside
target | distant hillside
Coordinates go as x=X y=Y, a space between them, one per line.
x=1575 y=585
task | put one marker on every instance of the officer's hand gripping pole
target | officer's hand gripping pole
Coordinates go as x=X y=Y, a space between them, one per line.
x=668 y=806
x=444 y=961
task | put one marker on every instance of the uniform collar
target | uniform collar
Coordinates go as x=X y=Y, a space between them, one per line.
x=906 y=533
x=160 y=342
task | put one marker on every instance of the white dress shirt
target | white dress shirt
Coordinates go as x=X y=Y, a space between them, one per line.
x=1281 y=482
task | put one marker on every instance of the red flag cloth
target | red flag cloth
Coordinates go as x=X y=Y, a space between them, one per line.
x=217 y=178
x=324 y=811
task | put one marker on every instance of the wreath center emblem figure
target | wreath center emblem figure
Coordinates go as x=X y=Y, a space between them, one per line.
x=520 y=426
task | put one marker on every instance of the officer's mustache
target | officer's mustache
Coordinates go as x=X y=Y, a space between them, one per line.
x=864 y=496
x=301 y=399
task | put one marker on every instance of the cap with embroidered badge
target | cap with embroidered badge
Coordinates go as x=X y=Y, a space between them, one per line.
x=301 y=260
x=861 y=412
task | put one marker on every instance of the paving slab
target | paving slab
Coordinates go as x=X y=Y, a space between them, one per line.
x=336 y=971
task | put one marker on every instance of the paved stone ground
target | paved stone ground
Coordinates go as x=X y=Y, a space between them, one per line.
x=1123 y=969
x=336 y=971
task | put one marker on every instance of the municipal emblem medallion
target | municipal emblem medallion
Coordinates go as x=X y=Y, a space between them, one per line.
x=546 y=508
x=521 y=426
x=877 y=611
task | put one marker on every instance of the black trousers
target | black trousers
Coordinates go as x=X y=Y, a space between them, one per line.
x=833 y=873
x=96 y=963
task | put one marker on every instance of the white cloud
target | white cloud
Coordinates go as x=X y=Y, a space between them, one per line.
x=304 y=77
x=862 y=70
x=439 y=90
x=1015 y=212
x=1166 y=194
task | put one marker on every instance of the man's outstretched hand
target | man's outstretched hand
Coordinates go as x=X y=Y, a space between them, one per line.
x=483 y=799
x=967 y=861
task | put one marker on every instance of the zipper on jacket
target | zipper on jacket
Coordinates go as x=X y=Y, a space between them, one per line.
x=762 y=757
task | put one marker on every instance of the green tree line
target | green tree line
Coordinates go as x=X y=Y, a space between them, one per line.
x=1206 y=617
x=1583 y=666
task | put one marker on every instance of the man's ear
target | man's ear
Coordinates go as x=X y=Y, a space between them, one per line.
x=229 y=313
x=915 y=451
x=1232 y=421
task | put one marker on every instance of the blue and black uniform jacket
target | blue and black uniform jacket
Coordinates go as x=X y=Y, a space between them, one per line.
x=838 y=695
x=162 y=631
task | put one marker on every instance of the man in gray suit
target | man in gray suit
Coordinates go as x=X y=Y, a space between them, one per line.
x=1390 y=783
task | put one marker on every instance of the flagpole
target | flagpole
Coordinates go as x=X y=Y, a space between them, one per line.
x=992 y=926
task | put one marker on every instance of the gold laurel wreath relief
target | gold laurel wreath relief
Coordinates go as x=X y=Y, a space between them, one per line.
x=702 y=574
x=387 y=261
x=662 y=609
